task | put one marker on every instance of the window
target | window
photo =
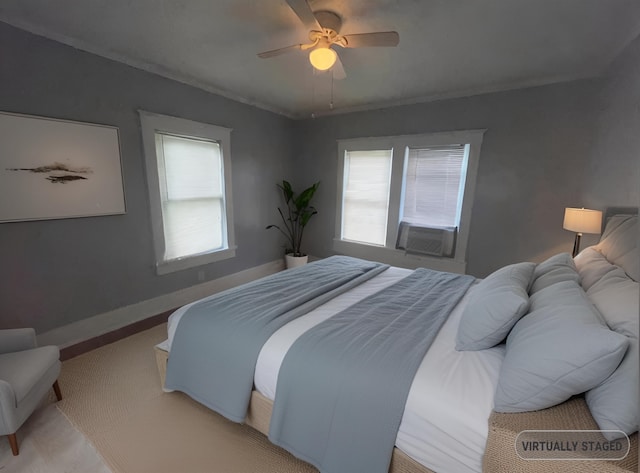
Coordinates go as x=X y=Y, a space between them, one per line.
x=188 y=178
x=366 y=196
x=407 y=200
x=434 y=186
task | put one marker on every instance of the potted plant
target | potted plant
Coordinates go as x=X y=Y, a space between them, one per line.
x=295 y=217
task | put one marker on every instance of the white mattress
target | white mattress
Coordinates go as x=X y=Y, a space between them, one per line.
x=445 y=422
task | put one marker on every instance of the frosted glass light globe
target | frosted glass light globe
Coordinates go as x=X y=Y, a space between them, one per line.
x=322 y=58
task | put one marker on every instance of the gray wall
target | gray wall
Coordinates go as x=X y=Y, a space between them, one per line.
x=544 y=150
x=612 y=167
x=59 y=271
x=530 y=169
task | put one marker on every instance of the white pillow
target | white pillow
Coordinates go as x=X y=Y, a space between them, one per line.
x=619 y=244
x=560 y=349
x=496 y=304
x=591 y=266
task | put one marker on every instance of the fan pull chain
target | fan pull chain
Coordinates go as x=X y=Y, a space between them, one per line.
x=313 y=91
x=331 y=102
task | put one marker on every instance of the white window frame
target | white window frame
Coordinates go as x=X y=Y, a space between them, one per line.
x=389 y=254
x=153 y=123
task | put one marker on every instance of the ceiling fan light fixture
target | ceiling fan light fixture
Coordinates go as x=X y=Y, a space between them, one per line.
x=322 y=58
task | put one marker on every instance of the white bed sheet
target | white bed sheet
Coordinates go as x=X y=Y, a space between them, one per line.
x=445 y=422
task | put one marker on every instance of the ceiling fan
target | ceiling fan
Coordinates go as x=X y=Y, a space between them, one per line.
x=324 y=33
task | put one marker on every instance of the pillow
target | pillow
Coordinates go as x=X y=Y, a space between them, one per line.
x=561 y=259
x=617 y=298
x=591 y=266
x=561 y=348
x=556 y=269
x=614 y=402
x=496 y=304
x=619 y=244
x=613 y=223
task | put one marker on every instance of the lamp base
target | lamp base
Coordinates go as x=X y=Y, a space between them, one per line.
x=576 y=245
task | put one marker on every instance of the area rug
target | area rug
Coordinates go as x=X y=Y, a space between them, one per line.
x=49 y=444
x=113 y=396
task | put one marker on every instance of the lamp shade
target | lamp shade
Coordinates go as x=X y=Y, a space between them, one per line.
x=582 y=220
x=322 y=58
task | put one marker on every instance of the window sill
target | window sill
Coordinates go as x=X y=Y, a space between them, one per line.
x=166 y=267
x=398 y=257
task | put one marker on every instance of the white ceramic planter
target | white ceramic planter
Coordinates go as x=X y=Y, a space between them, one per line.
x=295 y=261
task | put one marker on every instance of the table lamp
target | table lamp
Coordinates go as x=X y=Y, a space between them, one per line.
x=581 y=221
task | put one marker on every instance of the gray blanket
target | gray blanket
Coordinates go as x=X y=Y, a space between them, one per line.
x=343 y=385
x=217 y=342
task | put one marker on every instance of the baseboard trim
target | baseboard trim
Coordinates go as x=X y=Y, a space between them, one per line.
x=97 y=326
x=76 y=349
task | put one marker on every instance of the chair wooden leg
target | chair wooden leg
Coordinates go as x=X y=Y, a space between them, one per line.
x=56 y=389
x=13 y=441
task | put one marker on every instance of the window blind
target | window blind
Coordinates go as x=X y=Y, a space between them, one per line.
x=367 y=178
x=192 y=193
x=434 y=186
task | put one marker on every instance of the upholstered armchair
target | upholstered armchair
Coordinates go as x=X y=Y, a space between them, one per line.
x=27 y=372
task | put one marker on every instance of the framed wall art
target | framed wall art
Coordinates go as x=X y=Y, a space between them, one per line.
x=51 y=168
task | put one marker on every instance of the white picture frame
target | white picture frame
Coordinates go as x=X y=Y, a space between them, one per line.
x=53 y=169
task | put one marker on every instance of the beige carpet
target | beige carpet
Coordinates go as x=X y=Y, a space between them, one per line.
x=113 y=396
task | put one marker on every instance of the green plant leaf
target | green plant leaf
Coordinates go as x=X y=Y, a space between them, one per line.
x=287 y=191
x=297 y=215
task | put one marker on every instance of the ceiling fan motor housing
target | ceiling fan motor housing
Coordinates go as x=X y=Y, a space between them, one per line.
x=328 y=20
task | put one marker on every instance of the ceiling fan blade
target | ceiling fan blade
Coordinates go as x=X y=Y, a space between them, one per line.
x=383 y=38
x=338 y=70
x=304 y=12
x=278 y=52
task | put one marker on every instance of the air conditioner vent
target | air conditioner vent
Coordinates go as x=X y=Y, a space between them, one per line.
x=421 y=240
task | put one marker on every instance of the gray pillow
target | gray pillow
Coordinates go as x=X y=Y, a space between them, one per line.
x=561 y=348
x=496 y=304
x=559 y=260
x=617 y=297
x=614 y=402
x=556 y=269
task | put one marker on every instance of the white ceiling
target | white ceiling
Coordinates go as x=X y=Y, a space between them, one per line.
x=448 y=48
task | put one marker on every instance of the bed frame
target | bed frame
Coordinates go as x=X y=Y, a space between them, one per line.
x=500 y=455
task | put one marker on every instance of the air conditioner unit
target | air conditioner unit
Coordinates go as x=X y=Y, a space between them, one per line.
x=422 y=240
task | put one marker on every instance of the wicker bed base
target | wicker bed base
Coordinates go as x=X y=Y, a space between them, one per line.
x=500 y=455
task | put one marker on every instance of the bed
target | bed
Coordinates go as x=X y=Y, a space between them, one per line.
x=449 y=421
